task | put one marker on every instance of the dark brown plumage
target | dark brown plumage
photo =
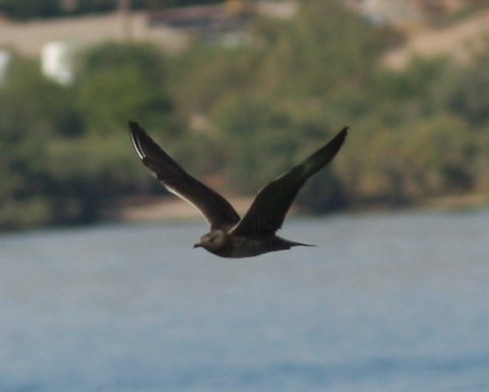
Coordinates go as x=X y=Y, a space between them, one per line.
x=231 y=236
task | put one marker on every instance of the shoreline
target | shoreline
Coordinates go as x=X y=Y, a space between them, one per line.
x=173 y=209
x=165 y=208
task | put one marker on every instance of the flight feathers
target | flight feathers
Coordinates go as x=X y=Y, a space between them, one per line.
x=216 y=210
x=267 y=213
x=231 y=236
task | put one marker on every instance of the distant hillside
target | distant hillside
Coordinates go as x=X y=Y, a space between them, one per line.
x=29 y=37
x=458 y=41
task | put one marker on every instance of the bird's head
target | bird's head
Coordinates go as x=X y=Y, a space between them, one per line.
x=212 y=241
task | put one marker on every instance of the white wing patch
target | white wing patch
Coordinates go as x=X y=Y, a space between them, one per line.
x=187 y=200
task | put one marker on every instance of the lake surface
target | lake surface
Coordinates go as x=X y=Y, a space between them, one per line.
x=386 y=302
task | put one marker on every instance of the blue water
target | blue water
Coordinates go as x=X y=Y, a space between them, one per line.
x=386 y=302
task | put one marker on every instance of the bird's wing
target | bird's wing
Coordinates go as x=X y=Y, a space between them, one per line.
x=267 y=213
x=215 y=208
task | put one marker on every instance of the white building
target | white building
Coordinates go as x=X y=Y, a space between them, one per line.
x=58 y=62
x=5 y=57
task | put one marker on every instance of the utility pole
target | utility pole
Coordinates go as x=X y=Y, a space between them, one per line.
x=125 y=15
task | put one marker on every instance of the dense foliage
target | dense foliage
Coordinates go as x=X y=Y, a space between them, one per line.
x=241 y=116
x=65 y=152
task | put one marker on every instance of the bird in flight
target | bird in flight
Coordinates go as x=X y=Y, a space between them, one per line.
x=229 y=235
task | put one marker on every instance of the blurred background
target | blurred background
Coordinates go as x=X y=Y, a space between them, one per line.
x=392 y=299
x=238 y=91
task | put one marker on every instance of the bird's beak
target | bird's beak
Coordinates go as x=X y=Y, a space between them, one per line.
x=197 y=245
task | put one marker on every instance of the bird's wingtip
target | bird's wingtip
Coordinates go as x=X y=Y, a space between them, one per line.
x=342 y=134
x=135 y=132
x=133 y=125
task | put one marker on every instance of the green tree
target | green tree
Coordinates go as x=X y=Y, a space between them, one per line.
x=262 y=143
x=121 y=83
x=437 y=157
x=282 y=97
x=32 y=112
x=470 y=99
x=61 y=169
x=325 y=46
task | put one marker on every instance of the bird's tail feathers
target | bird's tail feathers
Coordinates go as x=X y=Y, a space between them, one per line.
x=293 y=243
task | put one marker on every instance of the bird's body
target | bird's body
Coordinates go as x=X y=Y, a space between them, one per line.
x=227 y=244
x=231 y=236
